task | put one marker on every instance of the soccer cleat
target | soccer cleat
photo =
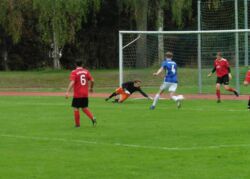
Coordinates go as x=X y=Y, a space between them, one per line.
x=236 y=93
x=115 y=101
x=94 y=122
x=218 y=101
x=152 y=107
x=178 y=104
x=77 y=126
x=106 y=99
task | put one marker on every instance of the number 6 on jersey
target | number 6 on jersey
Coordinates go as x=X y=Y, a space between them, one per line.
x=83 y=80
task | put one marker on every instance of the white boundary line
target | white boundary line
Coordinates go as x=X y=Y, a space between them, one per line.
x=129 y=145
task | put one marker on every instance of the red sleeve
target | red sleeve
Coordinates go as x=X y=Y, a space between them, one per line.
x=247 y=78
x=215 y=63
x=90 y=78
x=72 y=76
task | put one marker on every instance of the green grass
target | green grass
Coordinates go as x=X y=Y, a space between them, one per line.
x=201 y=140
x=107 y=80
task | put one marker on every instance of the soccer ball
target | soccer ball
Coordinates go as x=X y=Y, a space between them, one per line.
x=180 y=97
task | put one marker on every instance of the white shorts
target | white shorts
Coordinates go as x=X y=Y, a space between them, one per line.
x=170 y=86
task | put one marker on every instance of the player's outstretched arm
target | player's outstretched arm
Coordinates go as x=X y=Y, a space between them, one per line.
x=158 y=72
x=210 y=74
x=70 y=86
x=145 y=95
x=91 y=89
x=229 y=74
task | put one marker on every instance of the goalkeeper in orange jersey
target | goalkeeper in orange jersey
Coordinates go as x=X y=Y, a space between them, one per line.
x=247 y=82
x=127 y=89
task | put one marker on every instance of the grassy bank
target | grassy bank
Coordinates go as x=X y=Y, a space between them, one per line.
x=106 y=80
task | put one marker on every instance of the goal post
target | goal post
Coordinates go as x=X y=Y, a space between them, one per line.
x=188 y=48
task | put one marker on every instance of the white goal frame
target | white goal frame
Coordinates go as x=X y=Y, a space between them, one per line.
x=198 y=32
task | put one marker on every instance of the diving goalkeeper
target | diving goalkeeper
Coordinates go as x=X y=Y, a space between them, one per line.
x=127 y=89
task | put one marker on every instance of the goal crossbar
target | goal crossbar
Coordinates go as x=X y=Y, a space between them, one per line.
x=187 y=32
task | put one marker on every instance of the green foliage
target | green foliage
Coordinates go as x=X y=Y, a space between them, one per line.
x=11 y=19
x=134 y=5
x=107 y=80
x=181 y=9
x=214 y=4
x=64 y=18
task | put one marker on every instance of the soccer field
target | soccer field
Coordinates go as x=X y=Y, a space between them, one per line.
x=203 y=139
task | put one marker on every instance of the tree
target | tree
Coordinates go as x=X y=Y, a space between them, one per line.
x=179 y=10
x=140 y=9
x=11 y=22
x=59 y=20
x=160 y=6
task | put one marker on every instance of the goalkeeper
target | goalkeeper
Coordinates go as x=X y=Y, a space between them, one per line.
x=127 y=89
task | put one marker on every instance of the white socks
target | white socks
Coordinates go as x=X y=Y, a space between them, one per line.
x=175 y=98
x=157 y=96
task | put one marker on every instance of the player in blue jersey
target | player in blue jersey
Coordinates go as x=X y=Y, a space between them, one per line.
x=170 y=80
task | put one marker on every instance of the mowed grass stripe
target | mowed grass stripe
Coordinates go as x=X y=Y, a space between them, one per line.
x=38 y=139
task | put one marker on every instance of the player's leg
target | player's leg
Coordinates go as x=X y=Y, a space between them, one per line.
x=86 y=110
x=172 y=89
x=226 y=85
x=157 y=96
x=173 y=96
x=219 y=81
x=123 y=97
x=111 y=96
x=249 y=103
x=116 y=99
x=117 y=91
x=90 y=115
x=77 y=117
x=228 y=88
x=76 y=105
x=218 y=92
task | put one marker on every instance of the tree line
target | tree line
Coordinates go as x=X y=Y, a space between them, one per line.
x=53 y=33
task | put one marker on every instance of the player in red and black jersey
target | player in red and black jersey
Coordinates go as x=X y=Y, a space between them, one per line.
x=126 y=90
x=223 y=72
x=247 y=82
x=79 y=79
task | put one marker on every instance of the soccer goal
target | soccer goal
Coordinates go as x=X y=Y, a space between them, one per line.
x=141 y=53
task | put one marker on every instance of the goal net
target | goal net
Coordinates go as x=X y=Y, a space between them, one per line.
x=141 y=53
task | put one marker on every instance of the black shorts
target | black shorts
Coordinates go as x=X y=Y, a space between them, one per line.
x=80 y=102
x=223 y=80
